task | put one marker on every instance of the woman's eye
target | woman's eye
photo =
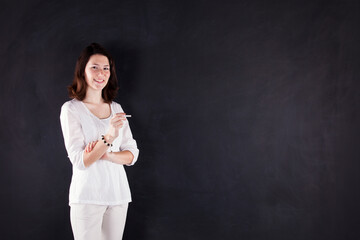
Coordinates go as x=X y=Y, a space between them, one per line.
x=106 y=69
x=94 y=67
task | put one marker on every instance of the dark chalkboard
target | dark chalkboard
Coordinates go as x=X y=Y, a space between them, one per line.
x=246 y=114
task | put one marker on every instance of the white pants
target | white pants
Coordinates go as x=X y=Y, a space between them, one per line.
x=98 y=222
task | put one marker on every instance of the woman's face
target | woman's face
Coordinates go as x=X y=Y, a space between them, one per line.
x=97 y=72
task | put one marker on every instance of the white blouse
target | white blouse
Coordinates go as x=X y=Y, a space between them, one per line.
x=103 y=182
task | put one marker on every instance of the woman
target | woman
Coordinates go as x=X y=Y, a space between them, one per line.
x=99 y=142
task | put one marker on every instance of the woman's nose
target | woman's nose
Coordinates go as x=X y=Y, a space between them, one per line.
x=101 y=72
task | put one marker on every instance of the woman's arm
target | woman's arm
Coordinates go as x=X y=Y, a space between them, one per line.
x=124 y=157
x=128 y=153
x=128 y=144
x=100 y=149
x=96 y=151
x=73 y=136
x=75 y=141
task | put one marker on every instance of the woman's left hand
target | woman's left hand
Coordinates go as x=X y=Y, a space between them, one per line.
x=90 y=146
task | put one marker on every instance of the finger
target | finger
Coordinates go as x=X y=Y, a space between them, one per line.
x=93 y=144
x=117 y=118
x=119 y=125
x=120 y=115
x=114 y=120
x=116 y=123
x=90 y=147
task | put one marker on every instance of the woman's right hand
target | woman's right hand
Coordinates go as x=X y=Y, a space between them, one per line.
x=116 y=122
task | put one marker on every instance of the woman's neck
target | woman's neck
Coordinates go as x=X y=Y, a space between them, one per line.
x=93 y=97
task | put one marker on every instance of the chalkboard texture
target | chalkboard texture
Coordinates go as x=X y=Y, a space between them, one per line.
x=246 y=114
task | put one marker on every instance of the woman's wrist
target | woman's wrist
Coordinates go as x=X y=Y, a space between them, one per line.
x=108 y=138
x=105 y=156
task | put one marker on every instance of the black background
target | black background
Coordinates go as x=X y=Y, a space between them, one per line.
x=246 y=114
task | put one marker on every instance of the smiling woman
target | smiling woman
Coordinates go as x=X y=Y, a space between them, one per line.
x=99 y=142
x=97 y=72
x=94 y=64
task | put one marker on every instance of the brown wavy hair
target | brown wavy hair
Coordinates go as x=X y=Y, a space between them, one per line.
x=78 y=88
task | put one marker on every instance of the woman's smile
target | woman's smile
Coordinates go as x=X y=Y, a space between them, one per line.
x=99 y=81
x=97 y=72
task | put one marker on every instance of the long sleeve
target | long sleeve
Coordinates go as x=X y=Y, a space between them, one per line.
x=129 y=143
x=73 y=135
x=103 y=183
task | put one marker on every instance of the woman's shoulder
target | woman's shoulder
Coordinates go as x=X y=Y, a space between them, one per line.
x=72 y=104
x=116 y=106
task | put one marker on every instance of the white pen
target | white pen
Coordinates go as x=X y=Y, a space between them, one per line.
x=126 y=115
